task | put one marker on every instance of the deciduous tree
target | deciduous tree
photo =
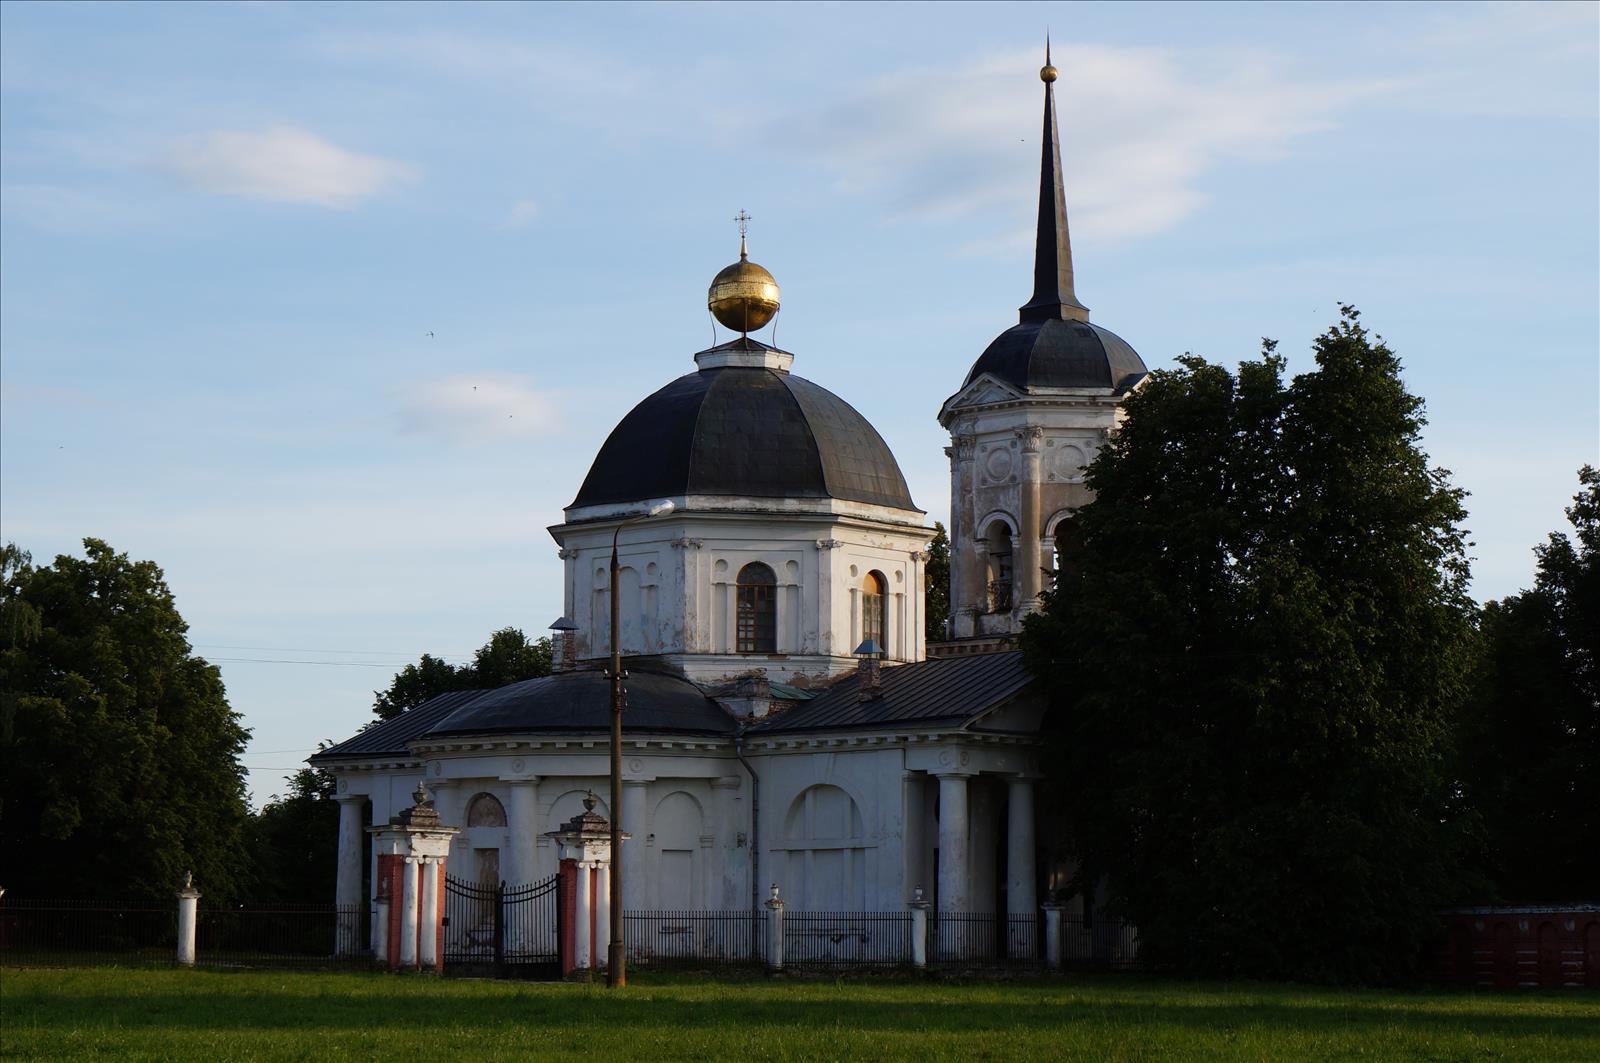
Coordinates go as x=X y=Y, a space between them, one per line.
x=508 y=657
x=1532 y=763
x=1256 y=648
x=121 y=752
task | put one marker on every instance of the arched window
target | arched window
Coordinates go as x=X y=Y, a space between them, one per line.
x=999 y=567
x=874 y=595
x=485 y=810
x=758 y=609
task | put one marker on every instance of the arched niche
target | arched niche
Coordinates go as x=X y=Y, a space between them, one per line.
x=675 y=830
x=826 y=846
x=485 y=810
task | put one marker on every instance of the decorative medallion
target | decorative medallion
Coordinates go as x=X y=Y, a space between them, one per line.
x=518 y=764
x=344 y=786
x=636 y=765
x=997 y=463
x=438 y=769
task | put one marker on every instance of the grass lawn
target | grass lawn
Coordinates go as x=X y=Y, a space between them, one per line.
x=168 y=1014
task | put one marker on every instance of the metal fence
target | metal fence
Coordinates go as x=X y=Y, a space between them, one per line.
x=280 y=935
x=142 y=933
x=1099 y=944
x=57 y=932
x=695 y=939
x=846 y=939
x=972 y=939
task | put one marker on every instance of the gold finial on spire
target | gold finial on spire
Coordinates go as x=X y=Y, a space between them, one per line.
x=744 y=297
x=1048 y=73
x=743 y=219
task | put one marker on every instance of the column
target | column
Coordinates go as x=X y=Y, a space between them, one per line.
x=914 y=831
x=634 y=802
x=1021 y=889
x=602 y=914
x=408 y=914
x=726 y=871
x=983 y=845
x=953 y=862
x=1025 y=576
x=584 y=920
x=897 y=632
x=828 y=638
x=780 y=602
x=347 y=887
x=523 y=817
x=428 y=921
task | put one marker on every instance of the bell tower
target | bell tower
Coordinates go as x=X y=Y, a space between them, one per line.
x=1034 y=410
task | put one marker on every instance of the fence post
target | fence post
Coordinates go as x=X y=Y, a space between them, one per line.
x=188 y=909
x=775 y=931
x=1052 y=936
x=919 y=930
x=500 y=929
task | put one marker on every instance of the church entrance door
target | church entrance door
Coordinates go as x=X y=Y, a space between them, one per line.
x=504 y=931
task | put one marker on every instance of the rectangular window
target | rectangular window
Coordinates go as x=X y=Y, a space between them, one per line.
x=758 y=619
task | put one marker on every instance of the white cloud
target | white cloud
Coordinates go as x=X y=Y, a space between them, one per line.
x=285 y=165
x=479 y=407
x=1139 y=129
x=524 y=212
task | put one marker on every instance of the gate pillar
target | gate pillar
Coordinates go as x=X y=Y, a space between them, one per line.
x=412 y=849
x=584 y=849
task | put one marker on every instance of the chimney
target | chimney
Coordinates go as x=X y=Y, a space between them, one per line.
x=564 y=645
x=869 y=678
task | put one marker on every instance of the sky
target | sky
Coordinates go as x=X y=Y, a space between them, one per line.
x=326 y=309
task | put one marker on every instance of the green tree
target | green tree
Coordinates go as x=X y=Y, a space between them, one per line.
x=1256 y=649
x=295 y=839
x=1533 y=744
x=121 y=752
x=508 y=657
x=936 y=579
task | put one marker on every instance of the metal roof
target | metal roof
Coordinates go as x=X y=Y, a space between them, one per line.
x=581 y=701
x=1060 y=354
x=950 y=690
x=746 y=432
x=391 y=736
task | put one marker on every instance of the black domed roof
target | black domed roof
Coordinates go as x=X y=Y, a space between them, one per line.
x=744 y=431
x=1053 y=353
x=581 y=701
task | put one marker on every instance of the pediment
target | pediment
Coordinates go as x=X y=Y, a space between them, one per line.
x=983 y=391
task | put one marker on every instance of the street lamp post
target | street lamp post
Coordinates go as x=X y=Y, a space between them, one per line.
x=616 y=959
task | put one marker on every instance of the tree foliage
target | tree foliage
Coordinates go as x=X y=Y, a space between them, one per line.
x=508 y=657
x=121 y=752
x=295 y=838
x=1533 y=745
x=1255 y=650
x=936 y=578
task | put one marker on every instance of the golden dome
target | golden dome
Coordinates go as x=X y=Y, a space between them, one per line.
x=744 y=297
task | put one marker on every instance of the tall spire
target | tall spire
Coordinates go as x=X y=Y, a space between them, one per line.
x=1053 y=296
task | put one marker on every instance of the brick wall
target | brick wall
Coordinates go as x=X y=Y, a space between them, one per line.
x=1532 y=946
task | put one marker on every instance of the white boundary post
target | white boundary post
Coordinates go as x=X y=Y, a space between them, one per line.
x=1052 y=936
x=919 y=930
x=188 y=913
x=775 y=931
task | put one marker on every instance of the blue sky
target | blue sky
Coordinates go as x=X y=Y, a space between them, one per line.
x=227 y=233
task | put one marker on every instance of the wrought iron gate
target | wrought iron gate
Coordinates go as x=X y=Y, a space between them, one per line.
x=507 y=931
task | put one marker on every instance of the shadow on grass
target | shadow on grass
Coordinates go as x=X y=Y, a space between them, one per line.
x=368 y=1005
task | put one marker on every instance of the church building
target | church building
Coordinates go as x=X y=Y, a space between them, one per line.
x=786 y=721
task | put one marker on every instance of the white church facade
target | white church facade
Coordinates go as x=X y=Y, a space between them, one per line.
x=759 y=748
